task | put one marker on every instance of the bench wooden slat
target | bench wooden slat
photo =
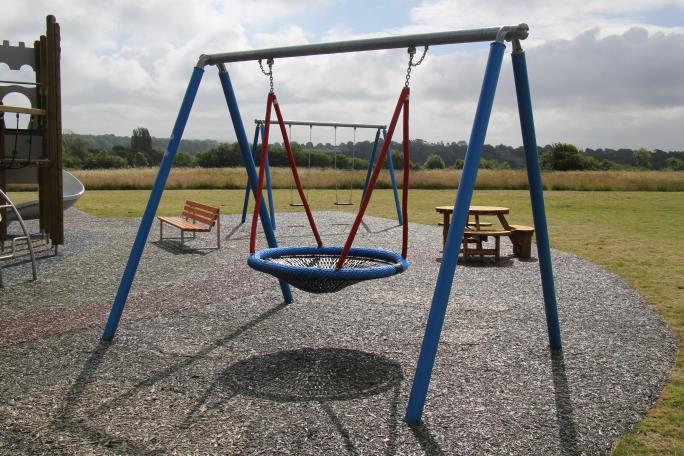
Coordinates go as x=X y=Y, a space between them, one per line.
x=199 y=218
x=201 y=212
x=184 y=224
x=206 y=207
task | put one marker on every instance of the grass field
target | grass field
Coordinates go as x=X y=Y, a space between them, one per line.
x=234 y=178
x=636 y=235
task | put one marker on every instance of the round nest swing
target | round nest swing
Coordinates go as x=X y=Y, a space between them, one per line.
x=312 y=269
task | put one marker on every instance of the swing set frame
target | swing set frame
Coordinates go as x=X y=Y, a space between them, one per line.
x=497 y=36
x=379 y=130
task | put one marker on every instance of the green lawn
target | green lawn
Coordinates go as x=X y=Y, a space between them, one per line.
x=637 y=235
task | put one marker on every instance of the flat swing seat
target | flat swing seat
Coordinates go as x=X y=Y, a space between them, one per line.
x=312 y=269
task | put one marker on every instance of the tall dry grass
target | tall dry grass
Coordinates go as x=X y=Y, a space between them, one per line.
x=234 y=178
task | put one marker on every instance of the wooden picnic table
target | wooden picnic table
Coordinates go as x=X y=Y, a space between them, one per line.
x=476 y=212
x=477 y=231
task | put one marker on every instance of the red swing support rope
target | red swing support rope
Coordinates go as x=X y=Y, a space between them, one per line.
x=402 y=105
x=272 y=102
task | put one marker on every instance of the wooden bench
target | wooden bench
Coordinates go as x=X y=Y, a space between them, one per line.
x=196 y=218
x=476 y=237
x=521 y=238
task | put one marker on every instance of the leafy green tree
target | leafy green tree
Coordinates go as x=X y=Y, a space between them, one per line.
x=139 y=160
x=125 y=153
x=184 y=160
x=642 y=158
x=141 y=141
x=71 y=161
x=566 y=157
x=606 y=165
x=107 y=160
x=343 y=162
x=154 y=156
x=458 y=164
x=434 y=161
x=319 y=159
x=75 y=152
x=225 y=155
x=675 y=164
x=488 y=164
x=397 y=160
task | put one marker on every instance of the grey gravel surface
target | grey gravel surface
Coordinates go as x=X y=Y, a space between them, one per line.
x=210 y=361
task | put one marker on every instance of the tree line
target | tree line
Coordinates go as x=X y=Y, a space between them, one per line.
x=81 y=152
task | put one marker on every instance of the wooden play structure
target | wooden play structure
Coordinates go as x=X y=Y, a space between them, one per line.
x=33 y=153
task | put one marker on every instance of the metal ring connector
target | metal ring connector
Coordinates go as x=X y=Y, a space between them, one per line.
x=412 y=53
x=269 y=62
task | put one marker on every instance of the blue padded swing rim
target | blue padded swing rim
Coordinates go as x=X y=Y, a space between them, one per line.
x=260 y=261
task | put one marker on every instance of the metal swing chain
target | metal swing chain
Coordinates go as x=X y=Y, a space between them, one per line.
x=412 y=53
x=269 y=62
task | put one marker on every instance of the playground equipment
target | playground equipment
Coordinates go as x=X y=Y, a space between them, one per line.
x=311 y=269
x=259 y=131
x=72 y=190
x=36 y=150
x=497 y=36
x=6 y=203
x=379 y=129
x=350 y=200
x=293 y=201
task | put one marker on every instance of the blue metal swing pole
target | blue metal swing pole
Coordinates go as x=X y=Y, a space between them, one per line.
x=440 y=299
x=152 y=205
x=371 y=162
x=393 y=180
x=390 y=164
x=245 y=204
x=522 y=90
x=253 y=179
x=260 y=129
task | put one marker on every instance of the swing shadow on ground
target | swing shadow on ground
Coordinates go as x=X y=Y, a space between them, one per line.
x=320 y=375
x=70 y=419
x=315 y=375
x=381 y=230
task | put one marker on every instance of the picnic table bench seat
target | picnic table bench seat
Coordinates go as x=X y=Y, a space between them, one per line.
x=521 y=238
x=473 y=238
x=196 y=218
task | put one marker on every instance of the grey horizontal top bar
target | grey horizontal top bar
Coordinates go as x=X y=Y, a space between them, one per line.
x=324 y=124
x=513 y=32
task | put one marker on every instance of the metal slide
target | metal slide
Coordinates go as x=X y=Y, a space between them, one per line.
x=72 y=190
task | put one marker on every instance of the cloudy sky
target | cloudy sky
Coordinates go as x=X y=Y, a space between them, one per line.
x=604 y=73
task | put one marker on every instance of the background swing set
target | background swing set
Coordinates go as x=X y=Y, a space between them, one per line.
x=379 y=130
x=497 y=36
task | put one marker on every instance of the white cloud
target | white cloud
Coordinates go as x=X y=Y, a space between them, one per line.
x=548 y=19
x=601 y=76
